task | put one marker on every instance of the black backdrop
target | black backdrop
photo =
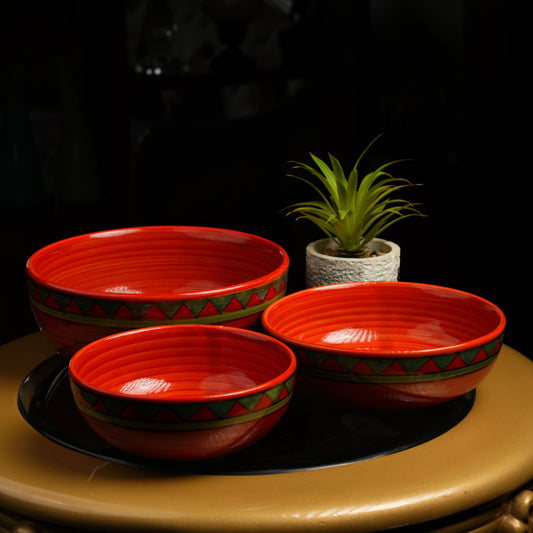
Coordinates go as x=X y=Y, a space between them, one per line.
x=176 y=128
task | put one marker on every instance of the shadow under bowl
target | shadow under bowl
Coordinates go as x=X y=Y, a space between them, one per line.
x=388 y=345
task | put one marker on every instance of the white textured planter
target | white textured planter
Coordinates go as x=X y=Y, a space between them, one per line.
x=322 y=269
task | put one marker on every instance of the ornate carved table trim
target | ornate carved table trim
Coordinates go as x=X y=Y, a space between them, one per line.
x=518 y=517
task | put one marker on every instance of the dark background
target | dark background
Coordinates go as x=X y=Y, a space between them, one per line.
x=186 y=112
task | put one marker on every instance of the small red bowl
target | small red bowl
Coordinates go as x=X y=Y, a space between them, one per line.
x=183 y=392
x=388 y=345
x=90 y=286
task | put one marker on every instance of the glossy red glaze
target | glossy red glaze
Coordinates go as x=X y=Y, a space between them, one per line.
x=388 y=344
x=183 y=392
x=89 y=286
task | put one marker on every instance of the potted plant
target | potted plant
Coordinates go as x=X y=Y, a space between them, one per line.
x=352 y=211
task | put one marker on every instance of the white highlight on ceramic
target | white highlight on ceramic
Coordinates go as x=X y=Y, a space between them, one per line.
x=145 y=386
x=350 y=336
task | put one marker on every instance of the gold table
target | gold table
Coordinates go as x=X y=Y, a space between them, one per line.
x=477 y=476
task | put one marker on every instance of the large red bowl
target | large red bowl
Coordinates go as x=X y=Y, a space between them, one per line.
x=90 y=286
x=388 y=345
x=184 y=392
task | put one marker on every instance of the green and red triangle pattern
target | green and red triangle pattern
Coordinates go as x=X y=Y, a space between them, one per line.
x=382 y=369
x=178 y=310
x=139 y=413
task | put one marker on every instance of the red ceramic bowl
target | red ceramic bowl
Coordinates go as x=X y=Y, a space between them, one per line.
x=388 y=345
x=183 y=392
x=90 y=286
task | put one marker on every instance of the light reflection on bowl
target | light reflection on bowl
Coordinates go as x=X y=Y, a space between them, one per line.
x=90 y=286
x=388 y=344
x=183 y=392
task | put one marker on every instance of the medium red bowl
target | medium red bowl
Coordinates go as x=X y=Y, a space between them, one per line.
x=90 y=286
x=183 y=392
x=388 y=345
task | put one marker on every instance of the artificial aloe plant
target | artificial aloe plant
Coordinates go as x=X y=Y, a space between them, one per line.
x=352 y=210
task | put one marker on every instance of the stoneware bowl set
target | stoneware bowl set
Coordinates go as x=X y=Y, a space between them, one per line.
x=182 y=344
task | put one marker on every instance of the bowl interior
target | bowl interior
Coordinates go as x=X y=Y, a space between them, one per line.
x=384 y=318
x=166 y=260
x=182 y=363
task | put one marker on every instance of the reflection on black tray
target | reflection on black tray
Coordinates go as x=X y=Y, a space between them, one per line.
x=312 y=434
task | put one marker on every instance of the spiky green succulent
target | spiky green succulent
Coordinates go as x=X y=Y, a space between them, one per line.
x=352 y=210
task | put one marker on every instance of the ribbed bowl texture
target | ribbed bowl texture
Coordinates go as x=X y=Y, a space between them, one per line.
x=388 y=344
x=94 y=285
x=183 y=392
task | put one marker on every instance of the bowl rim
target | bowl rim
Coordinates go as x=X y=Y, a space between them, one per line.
x=277 y=273
x=495 y=333
x=281 y=378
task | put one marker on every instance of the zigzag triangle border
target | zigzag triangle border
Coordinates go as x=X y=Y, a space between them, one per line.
x=193 y=416
x=396 y=369
x=119 y=313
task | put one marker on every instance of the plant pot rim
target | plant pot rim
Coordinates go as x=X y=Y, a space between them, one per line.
x=382 y=245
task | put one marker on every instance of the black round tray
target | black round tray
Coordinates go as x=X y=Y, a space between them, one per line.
x=312 y=433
